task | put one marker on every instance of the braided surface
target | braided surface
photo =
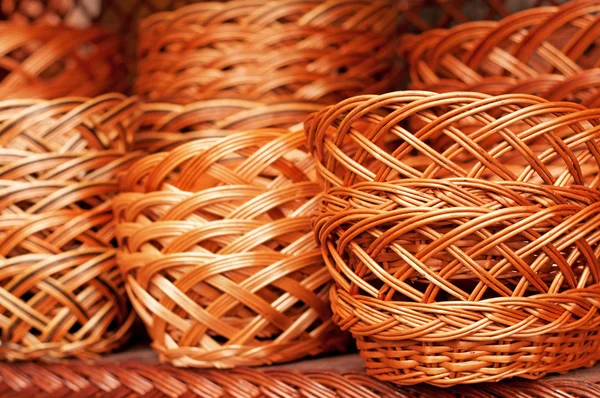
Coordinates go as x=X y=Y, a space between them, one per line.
x=134 y=379
x=61 y=293
x=53 y=62
x=269 y=51
x=465 y=281
x=513 y=137
x=164 y=126
x=549 y=51
x=76 y=13
x=218 y=252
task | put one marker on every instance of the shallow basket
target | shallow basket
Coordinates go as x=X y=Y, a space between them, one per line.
x=462 y=280
x=61 y=292
x=218 y=252
x=52 y=62
x=270 y=51
x=549 y=51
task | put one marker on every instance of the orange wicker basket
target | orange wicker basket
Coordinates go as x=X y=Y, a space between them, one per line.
x=473 y=262
x=269 y=51
x=61 y=292
x=218 y=252
x=52 y=62
x=548 y=51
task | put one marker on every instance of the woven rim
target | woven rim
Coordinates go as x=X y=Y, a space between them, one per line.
x=545 y=51
x=53 y=62
x=310 y=50
x=513 y=137
x=453 y=281
x=61 y=291
x=164 y=126
x=239 y=204
x=132 y=378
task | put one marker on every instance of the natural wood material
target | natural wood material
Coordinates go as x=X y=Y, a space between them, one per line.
x=218 y=252
x=417 y=134
x=52 y=62
x=462 y=232
x=133 y=379
x=61 y=292
x=549 y=51
x=270 y=51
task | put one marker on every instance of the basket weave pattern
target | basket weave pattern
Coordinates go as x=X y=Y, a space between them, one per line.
x=548 y=51
x=61 y=291
x=218 y=251
x=464 y=246
x=52 y=62
x=268 y=51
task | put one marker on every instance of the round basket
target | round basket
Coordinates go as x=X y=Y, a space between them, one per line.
x=218 y=252
x=548 y=51
x=465 y=281
x=61 y=292
x=52 y=62
x=270 y=51
x=419 y=134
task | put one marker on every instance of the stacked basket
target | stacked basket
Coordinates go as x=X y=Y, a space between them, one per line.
x=214 y=225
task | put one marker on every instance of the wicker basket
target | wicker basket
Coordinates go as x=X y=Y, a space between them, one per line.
x=52 y=62
x=61 y=293
x=468 y=262
x=268 y=51
x=548 y=51
x=218 y=252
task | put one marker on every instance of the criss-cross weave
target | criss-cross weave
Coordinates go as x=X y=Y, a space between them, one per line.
x=462 y=280
x=531 y=51
x=164 y=126
x=218 y=252
x=320 y=51
x=61 y=292
x=416 y=134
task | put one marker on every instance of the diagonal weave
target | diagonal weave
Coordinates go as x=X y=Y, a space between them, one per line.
x=218 y=252
x=270 y=51
x=53 y=62
x=465 y=281
x=550 y=51
x=514 y=137
x=61 y=292
x=133 y=379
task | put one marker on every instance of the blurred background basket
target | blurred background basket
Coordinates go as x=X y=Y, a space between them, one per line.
x=218 y=252
x=320 y=51
x=471 y=262
x=61 y=292
x=550 y=51
x=52 y=62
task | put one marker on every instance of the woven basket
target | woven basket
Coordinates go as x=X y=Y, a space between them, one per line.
x=465 y=281
x=61 y=293
x=218 y=251
x=472 y=261
x=548 y=51
x=52 y=62
x=268 y=51
x=513 y=137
